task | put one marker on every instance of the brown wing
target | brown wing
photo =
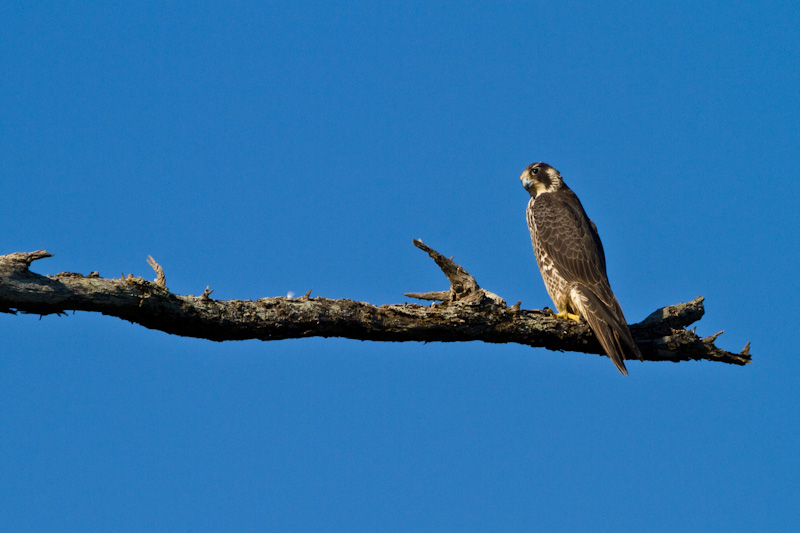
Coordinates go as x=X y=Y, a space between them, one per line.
x=565 y=233
x=599 y=244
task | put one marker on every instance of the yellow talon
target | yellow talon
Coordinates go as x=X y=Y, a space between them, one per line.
x=565 y=314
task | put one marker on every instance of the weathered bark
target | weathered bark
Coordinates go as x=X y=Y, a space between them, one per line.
x=466 y=313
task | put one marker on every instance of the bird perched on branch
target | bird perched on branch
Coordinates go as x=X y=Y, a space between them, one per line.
x=572 y=262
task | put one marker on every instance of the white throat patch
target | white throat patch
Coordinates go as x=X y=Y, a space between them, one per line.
x=541 y=188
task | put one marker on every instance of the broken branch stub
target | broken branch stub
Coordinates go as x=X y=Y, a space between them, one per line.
x=463 y=287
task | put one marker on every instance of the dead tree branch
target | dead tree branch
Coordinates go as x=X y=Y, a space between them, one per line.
x=466 y=313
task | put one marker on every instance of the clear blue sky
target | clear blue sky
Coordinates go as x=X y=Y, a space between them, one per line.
x=269 y=147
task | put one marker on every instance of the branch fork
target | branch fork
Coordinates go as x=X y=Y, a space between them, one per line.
x=463 y=287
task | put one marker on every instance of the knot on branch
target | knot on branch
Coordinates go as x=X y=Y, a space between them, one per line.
x=463 y=287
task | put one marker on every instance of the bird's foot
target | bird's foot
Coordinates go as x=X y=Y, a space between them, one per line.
x=565 y=314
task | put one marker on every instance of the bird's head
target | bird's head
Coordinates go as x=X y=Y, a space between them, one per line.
x=539 y=178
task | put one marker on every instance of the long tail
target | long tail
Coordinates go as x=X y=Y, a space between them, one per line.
x=609 y=325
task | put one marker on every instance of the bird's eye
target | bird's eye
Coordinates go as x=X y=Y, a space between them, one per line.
x=534 y=170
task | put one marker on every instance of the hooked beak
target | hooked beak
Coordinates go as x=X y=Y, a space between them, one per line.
x=526 y=179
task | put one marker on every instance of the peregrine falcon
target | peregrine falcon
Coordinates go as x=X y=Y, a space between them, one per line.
x=572 y=262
